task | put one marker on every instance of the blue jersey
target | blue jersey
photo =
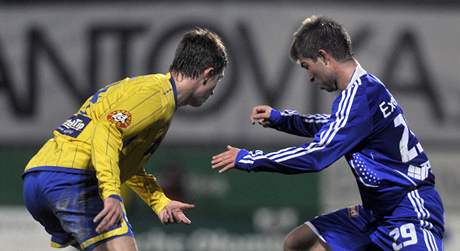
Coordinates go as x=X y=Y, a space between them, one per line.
x=367 y=126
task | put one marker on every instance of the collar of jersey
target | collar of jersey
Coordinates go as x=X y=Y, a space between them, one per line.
x=173 y=85
x=359 y=71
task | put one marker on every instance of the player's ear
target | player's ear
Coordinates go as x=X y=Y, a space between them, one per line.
x=324 y=56
x=207 y=74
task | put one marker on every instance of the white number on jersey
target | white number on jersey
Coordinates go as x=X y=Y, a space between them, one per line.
x=407 y=233
x=406 y=154
x=416 y=172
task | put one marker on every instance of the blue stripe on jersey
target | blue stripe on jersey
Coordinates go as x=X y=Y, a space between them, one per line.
x=173 y=85
x=59 y=169
x=95 y=97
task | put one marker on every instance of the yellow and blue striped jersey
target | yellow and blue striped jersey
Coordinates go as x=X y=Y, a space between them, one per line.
x=114 y=134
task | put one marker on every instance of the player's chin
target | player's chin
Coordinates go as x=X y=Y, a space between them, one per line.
x=328 y=88
x=198 y=102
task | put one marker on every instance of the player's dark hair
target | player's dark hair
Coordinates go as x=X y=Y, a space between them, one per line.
x=321 y=33
x=198 y=50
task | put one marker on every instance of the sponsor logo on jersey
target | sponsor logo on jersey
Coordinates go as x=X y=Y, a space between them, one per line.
x=121 y=118
x=74 y=125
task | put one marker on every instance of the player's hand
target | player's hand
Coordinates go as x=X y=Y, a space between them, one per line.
x=173 y=213
x=111 y=214
x=260 y=114
x=226 y=160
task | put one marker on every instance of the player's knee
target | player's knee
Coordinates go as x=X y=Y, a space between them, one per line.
x=299 y=239
x=289 y=243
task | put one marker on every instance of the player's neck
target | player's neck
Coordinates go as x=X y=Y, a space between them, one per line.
x=184 y=87
x=345 y=71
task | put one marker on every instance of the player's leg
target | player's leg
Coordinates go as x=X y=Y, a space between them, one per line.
x=416 y=224
x=407 y=236
x=75 y=201
x=123 y=243
x=36 y=204
x=347 y=229
x=303 y=238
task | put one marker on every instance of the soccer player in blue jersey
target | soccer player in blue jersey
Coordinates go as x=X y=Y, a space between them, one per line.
x=401 y=209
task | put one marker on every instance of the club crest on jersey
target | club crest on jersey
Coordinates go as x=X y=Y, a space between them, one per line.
x=121 y=118
x=74 y=125
x=353 y=211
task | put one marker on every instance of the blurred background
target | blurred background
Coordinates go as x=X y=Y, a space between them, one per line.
x=53 y=54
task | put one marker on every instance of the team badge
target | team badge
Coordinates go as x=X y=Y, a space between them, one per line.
x=353 y=211
x=121 y=118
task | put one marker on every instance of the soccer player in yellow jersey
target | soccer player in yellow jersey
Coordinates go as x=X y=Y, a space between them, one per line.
x=72 y=185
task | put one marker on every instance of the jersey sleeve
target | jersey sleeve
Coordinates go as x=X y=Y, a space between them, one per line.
x=292 y=122
x=146 y=186
x=350 y=123
x=106 y=145
x=124 y=116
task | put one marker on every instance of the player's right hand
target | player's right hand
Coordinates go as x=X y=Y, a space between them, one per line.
x=111 y=214
x=261 y=114
x=173 y=212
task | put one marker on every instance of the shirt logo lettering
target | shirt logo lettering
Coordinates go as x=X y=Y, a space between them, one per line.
x=74 y=125
x=388 y=107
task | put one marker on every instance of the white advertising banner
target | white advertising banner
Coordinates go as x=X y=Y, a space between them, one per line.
x=53 y=56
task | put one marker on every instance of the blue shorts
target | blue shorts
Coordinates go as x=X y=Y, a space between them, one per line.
x=65 y=204
x=416 y=224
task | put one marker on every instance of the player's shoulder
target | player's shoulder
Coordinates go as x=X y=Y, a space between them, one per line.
x=366 y=79
x=147 y=83
x=372 y=86
x=369 y=80
x=155 y=77
x=364 y=90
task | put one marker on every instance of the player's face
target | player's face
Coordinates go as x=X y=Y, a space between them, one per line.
x=204 y=91
x=319 y=73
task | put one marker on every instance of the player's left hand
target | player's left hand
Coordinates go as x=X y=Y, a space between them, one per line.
x=173 y=213
x=111 y=214
x=226 y=160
